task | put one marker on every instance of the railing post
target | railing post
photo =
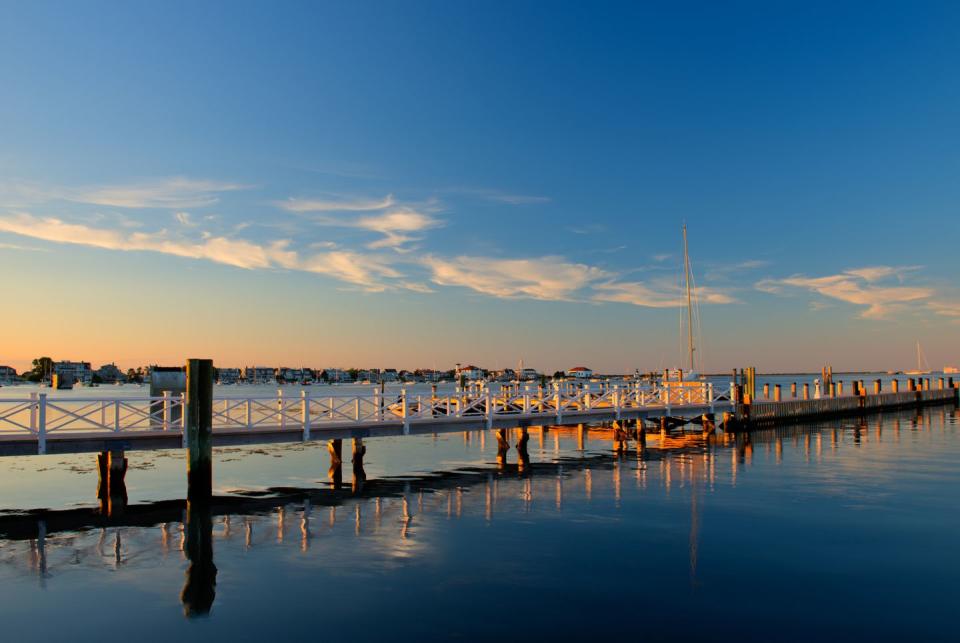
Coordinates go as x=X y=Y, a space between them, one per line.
x=558 y=397
x=249 y=412
x=489 y=409
x=356 y=413
x=33 y=413
x=377 y=415
x=116 y=415
x=166 y=410
x=403 y=411
x=616 y=399
x=42 y=425
x=305 y=413
x=710 y=396
x=281 y=416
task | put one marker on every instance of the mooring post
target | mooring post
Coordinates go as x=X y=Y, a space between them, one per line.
x=199 y=428
x=877 y=387
x=833 y=389
x=895 y=386
x=940 y=384
x=793 y=390
x=776 y=393
x=806 y=391
x=766 y=391
x=111 y=487
x=840 y=388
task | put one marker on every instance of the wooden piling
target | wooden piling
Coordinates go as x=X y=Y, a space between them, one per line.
x=877 y=386
x=895 y=386
x=806 y=391
x=766 y=391
x=776 y=393
x=199 y=428
x=793 y=390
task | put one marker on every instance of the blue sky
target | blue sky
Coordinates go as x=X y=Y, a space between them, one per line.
x=415 y=184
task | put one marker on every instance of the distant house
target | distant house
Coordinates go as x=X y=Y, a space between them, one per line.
x=291 y=375
x=110 y=374
x=505 y=375
x=7 y=374
x=529 y=374
x=470 y=372
x=581 y=372
x=337 y=376
x=73 y=372
x=389 y=375
x=430 y=375
x=228 y=375
x=259 y=374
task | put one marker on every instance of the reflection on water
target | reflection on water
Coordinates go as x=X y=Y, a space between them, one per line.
x=787 y=522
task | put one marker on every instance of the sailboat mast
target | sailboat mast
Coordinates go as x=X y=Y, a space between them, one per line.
x=686 y=274
x=919 y=367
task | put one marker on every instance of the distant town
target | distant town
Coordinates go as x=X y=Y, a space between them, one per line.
x=46 y=370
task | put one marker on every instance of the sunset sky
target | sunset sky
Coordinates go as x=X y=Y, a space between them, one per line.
x=413 y=184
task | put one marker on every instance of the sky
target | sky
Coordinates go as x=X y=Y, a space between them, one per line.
x=415 y=184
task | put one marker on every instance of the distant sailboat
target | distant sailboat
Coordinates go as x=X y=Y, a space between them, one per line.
x=920 y=364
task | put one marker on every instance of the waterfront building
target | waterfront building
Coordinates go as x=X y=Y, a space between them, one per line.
x=289 y=375
x=430 y=375
x=259 y=374
x=78 y=372
x=110 y=374
x=389 y=375
x=228 y=375
x=505 y=375
x=337 y=376
x=470 y=372
x=580 y=372
x=367 y=375
x=529 y=374
x=7 y=374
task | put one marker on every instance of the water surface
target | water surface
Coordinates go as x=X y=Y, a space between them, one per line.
x=840 y=530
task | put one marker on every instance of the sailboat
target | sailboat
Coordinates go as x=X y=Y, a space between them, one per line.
x=919 y=370
x=690 y=294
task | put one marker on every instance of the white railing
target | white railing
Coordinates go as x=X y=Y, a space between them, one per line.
x=40 y=415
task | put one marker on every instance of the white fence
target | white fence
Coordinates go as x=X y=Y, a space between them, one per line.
x=42 y=416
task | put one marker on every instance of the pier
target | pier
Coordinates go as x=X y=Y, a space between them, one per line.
x=197 y=422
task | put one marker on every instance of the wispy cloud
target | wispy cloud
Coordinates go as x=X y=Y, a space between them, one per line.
x=355 y=204
x=397 y=223
x=14 y=246
x=655 y=295
x=173 y=193
x=369 y=272
x=549 y=278
x=859 y=286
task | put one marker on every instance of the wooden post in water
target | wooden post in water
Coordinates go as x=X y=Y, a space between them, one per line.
x=840 y=388
x=895 y=386
x=806 y=391
x=911 y=385
x=766 y=391
x=940 y=384
x=833 y=389
x=877 y=387
x=793 y=390
x=198 y=428
x=776 y=393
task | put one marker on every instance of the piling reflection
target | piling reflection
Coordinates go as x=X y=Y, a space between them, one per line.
x=199 y=589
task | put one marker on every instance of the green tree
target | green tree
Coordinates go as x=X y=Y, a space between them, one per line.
x=42 y=366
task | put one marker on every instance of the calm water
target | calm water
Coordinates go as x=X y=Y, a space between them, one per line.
x=835 y=531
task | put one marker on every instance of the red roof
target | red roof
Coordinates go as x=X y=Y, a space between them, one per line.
x=579 y=368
